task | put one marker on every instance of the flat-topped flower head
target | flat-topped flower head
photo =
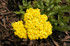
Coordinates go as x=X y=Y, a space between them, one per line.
x=36 y=24
x=19 y=29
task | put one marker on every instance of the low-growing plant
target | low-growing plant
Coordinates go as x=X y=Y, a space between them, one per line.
x=51 y=8
x=34 y=25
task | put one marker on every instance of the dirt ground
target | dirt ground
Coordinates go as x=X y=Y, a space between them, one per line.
x=7 y=37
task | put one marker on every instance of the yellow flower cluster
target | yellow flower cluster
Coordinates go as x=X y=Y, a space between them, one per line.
x=19 y=29
x=36 y=25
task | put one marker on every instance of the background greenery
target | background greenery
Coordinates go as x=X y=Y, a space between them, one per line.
x=53 y=9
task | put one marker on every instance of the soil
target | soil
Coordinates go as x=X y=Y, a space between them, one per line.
x=7 y=37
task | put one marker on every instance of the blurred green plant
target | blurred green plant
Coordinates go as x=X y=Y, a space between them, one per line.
x=68 y=1
x=53 y=9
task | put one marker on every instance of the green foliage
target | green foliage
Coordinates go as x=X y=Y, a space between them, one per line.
x=53 y=9
x=25 y=5
x=68 y=1
x=20 y=11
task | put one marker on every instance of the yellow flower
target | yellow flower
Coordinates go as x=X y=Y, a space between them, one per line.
x=19 y=29
x=36 y=25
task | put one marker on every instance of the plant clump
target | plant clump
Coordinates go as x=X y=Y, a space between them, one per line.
x=36 y=25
